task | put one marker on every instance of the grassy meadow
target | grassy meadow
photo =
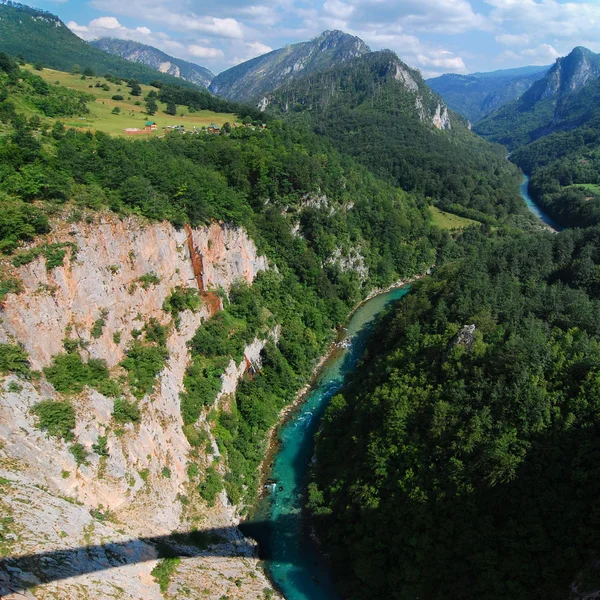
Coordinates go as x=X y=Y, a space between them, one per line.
x=446 y=220
x=101 y=117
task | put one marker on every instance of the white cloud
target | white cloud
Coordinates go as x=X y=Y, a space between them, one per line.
x=431 y=16
x=548 y=17
x=248 y=51
x=110 y=27
x=544 y=54
x=338 y=9
x=204 y=52
x=511 y=39
x=175 y=16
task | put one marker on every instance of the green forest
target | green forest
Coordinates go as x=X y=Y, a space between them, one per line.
x=457 y=465
x=368 y=114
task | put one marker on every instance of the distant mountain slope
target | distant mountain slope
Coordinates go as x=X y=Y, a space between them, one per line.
x=379 y=110
x=479 y=94
x=156 y=59
x=255 y=77
x=40 y=36
x=566 y=97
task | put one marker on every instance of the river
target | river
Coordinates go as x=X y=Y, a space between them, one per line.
x=535 y=209
x=292 y=559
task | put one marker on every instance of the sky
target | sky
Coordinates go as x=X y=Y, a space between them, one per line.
x=435 y=36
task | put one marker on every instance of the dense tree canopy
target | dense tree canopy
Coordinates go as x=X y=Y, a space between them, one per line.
x=463 y=467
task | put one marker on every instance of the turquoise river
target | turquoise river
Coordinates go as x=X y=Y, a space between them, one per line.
x=292 y=559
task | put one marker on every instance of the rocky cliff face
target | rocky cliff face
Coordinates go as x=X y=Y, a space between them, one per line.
x=567 y=75
x=155 y=58
x=141 y=487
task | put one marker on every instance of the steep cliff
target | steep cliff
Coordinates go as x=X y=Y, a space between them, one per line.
x=130 y=480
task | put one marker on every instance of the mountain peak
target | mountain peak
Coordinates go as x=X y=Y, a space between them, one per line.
x=254 y=78
x=567 y=75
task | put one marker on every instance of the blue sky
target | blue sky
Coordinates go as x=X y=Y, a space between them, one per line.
x=436 y=36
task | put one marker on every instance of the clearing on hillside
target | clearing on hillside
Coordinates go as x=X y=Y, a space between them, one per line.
x=446 y=220
x=101 y=117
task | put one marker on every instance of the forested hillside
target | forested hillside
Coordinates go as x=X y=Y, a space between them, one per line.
x=41 y=37
x=461 y=461
x=380 y=111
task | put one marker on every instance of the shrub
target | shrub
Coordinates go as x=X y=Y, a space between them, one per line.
x=101 y=446
x=149 y=279
x=211 y=486
x=79 y=452
x=99 y=324
x=117 y=97
x=125 y=411
x=182 y=299
x=53 y=253
x=56 y=418
x=163 y=571
x=144 y=363
x=116 y=111
x=166 y=472
x=69 y=375
x=13 y=359
x=10 y=285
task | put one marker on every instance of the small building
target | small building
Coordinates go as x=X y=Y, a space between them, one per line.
x=150 y=126
x=213 y=128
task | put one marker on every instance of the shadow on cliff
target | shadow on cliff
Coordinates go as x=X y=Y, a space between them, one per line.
x=19 y=573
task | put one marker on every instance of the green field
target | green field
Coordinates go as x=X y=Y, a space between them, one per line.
x=101 y=117
x=594 y=188
x=446 y=220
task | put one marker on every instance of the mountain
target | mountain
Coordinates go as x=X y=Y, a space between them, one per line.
x=479 y=94
x=262 y=74
x=156 y=59
x=40 y=36
x=566 y=97
x=382 y=112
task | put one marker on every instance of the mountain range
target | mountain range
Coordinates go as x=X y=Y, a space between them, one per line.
x=566 y=97
x=156 y=59
x=480 y=94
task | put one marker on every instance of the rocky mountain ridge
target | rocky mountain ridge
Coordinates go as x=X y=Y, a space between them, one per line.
x=254 y=78
x=155 y=58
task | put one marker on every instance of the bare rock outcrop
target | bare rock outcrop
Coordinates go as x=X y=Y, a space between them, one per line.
x=119 y=270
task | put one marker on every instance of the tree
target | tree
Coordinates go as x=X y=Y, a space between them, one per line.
x=151 y=106
x=116 y=111
x=171 y=108
x=89 y=72
x=75 y=69
x=247 y=120
x=226 y=127
x=136 y=90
